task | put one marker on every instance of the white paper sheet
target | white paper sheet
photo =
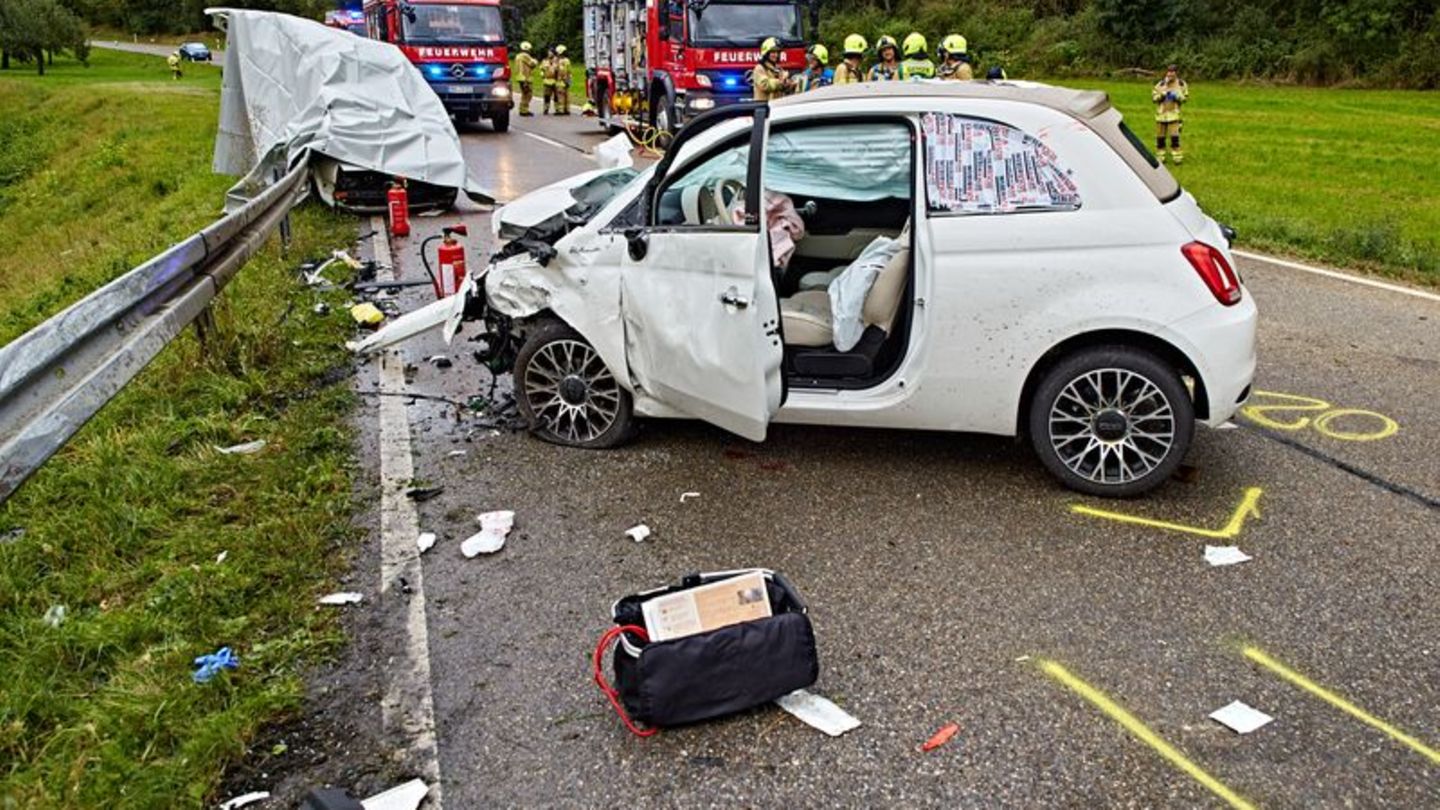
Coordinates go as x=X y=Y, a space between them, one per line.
x=1240 y=717
x=344 y=598
x=818 y=712
x=1225 y=555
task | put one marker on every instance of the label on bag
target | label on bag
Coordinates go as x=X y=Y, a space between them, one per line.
x=700 y=610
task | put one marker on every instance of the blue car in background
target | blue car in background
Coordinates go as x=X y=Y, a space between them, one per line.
x=195 y=52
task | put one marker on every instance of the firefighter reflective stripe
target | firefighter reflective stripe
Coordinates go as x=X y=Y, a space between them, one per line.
x=917 y=69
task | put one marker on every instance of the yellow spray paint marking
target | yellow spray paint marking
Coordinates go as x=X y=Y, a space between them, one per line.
x=1142 y=732
x=1249 y=507
x=1322 y=422
x=1260 y=657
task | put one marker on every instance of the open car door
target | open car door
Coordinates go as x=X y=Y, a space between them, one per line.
x=702 y=319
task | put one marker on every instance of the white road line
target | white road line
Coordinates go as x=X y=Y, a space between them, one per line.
x=553 y=142
x=1336 y=274
x=407 y=710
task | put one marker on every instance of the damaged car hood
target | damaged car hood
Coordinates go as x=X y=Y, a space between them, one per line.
x=567 y=204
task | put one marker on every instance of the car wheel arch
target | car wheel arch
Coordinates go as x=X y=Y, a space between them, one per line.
x=1127 y=338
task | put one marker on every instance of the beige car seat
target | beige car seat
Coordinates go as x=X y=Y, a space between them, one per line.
x=806 y=315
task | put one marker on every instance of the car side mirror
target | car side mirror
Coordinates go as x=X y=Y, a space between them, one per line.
x=637 y=242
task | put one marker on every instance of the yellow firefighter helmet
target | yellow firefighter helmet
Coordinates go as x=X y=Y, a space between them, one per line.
x=953 y=45
x=855 y=45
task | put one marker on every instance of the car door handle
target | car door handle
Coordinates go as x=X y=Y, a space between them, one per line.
x=733 y=298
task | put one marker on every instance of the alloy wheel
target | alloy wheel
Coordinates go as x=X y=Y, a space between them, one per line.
x=571 y=391
x=1111 y=426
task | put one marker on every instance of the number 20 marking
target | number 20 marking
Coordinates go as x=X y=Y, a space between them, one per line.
x=1323 y=420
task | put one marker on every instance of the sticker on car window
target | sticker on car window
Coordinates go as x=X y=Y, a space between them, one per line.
x=982 y=167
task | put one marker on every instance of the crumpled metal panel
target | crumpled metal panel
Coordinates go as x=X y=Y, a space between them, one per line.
x=293 y=86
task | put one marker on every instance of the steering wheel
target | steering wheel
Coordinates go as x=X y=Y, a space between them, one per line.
x=729 y=196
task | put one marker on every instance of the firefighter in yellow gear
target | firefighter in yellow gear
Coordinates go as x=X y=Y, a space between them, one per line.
x=547 y=79
x=1169 y=95
x=954 y=60
x=525 y=65
x=888 y=68
x=174 y=62
x=849 y=71
x=562 y=81
x=770 y=80
x=816 y=73
x=917 y=64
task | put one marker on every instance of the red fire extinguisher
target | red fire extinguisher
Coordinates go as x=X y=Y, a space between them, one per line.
x=451 y=258
x=399 y=201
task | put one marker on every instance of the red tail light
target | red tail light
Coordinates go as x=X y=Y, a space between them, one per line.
x=1215 y=271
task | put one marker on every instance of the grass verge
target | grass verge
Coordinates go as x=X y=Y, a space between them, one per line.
x=126 y=527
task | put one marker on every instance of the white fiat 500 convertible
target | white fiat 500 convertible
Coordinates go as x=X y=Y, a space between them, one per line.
x=992 y=258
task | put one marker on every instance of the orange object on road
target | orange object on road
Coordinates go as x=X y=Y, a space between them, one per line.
x=944 y=735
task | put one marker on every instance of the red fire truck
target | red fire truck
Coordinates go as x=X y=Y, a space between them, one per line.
x=459 y=47
x=664 y=61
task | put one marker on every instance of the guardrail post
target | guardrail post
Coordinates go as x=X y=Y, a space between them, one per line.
x=204 y=328
x=284 y=226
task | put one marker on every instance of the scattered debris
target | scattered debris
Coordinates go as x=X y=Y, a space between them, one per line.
x=439 y=361
x=55 y=616
x=247 y=799
x=278 y=748
x=321 y=308
x=494 y=526
x=1240 y=718
x=434 y=213
x=220 y=558
x=341 y=598
x=455 y=453
x=939 y=738
x=685 y=496
x=1225 y=555
x=423 y=494
x=405 y=796
x=425 y=541
x=12 y=536
x=638 y=533
x=242 y=449
x=1227 y=426
x=1022 y=659
x=367 y=314
x=818 y=712
x=208 y=665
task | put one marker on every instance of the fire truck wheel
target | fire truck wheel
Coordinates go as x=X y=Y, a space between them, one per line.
x=501 y=121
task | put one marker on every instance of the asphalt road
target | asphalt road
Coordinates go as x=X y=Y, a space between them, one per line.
x=943 y=572
x=152 y=48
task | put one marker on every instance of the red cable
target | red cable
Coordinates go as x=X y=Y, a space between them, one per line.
x=614 y=696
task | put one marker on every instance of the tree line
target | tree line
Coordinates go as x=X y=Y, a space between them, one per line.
x=1378 y=42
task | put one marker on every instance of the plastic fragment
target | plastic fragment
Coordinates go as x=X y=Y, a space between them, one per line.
x=423 y=494
x=246 y=799
x=342 y=598
x=818 y=712
x=638 y=533
x=220 y=558
x=425 y=541
x=685 y=496
x=242 y=449
x=946 y=733
x=55 y=616
x=494 y=527
x=404 y=796
x=210 y=664
x=367 y=314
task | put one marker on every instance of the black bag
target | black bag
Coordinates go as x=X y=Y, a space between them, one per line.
x=730 y=669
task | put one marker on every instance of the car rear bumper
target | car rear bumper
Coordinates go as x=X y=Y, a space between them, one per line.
x=1222 y=344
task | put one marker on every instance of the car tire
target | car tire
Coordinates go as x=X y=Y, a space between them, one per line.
x=1112 y=421
x=566 y=393
x=501 y=121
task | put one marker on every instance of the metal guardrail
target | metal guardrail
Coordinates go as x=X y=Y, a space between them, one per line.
x=59 y=374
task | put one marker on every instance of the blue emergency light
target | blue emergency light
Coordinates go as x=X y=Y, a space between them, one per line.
x=435 y=70
x=730 y=81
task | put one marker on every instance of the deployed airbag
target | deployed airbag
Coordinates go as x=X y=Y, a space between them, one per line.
x=293 y=86
x=848 y=291
x=860 y=162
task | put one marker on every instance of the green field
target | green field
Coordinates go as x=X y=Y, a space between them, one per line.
x=101 y=168
x=1340 y=176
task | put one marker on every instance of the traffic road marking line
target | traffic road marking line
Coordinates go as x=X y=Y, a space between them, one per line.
x=407 y=709
x=1249 y=507
x=1142 y=732
x=1260 y=657
x=1335 y=274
